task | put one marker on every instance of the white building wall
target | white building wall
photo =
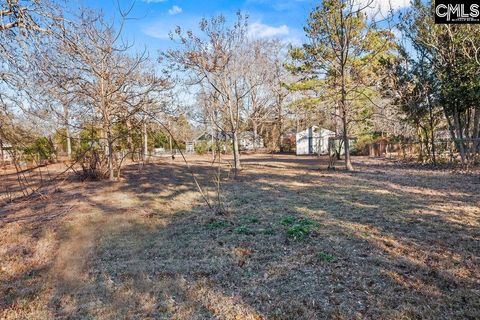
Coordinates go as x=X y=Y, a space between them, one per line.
x=319 y=141
x=302 y=143
x=324 y=135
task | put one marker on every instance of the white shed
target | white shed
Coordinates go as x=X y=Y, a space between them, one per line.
x=313 y=140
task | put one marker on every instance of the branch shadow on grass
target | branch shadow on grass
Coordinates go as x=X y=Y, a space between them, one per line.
x=395 y=253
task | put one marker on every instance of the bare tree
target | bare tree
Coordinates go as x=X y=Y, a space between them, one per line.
x=260 y=77
x=341 y=57
x=24 y=27
x=276 y=86
x=113 y=85
x=219 y=59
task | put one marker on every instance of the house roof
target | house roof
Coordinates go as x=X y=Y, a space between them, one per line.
x=206 y=136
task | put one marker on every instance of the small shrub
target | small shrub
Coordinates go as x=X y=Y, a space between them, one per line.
x=243 y=230
x=325 y=256
x=217 y=224
x=287 y=220
x=202 y=147
x=298 y=228
x=41 y=147
x=298 y=232
x=159 y=139
x=94 y=163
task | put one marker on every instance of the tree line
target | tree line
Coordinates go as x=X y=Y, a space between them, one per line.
x=70 y=80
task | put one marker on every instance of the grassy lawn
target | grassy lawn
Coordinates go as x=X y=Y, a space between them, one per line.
x=294 y=242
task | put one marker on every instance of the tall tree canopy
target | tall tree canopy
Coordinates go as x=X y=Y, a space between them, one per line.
x=341 y=60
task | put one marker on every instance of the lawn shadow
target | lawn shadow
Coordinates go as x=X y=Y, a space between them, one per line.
x=396 y=253
x=379 y=247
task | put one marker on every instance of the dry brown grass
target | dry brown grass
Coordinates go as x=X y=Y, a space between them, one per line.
x=387 y=241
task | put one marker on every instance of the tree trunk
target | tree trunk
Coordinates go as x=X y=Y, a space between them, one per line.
x=343 y=103
x=236 y=153
x=67 y=131
x=432 y=130
x=255 y=136
x=432 y=141
x=170 y=138
x=111 y=175
x=280 y=127
x=69 y=144
x=459 y=141
x=420 y=144
x=425 y=138
x=476 y=131
x=346 y=146
x=145 y=142
x=130 y=147
x=2 y=153
x=346 y=143
x=212 y=141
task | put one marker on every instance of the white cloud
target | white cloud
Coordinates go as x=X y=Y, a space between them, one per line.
x=382 y=7
x=260 y=30
x=158 y=31
x=399 y=4
x=174 y=10
x=294 y=41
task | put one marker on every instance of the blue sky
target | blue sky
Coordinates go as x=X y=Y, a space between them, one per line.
x=154 y=19
x=283 y=19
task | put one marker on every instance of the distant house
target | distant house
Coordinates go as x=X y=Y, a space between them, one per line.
x=313 y=140
x=206 y=141
x=247 y=141
x=5 y=153
x=210 y=138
